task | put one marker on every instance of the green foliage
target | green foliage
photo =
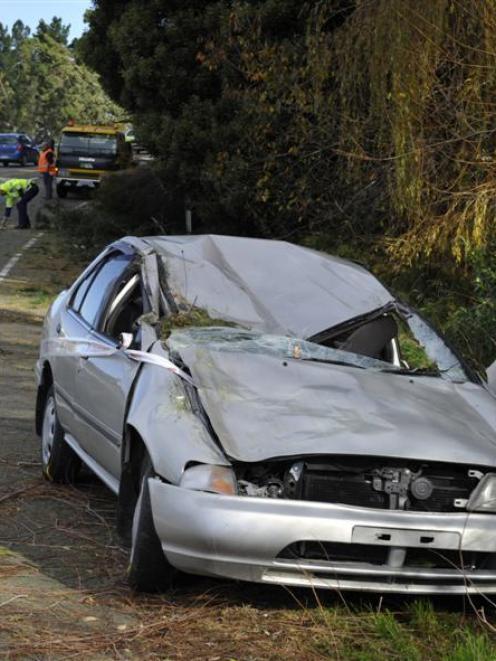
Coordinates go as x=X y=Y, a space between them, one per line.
x=417 y=631
x=472 y=647
x=190 y=317
x=55 y=29
x=396 y=637
x=42 y=85
x=289 y=118
x=364 y=128
x=472 y=325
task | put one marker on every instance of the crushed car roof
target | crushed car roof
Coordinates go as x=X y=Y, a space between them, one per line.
x=267 y=285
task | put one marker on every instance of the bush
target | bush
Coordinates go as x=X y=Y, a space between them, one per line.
x=130 y=202
x=472 y=327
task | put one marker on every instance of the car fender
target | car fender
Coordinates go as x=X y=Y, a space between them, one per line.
x=161 y=413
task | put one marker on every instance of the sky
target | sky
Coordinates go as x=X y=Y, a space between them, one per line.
x=30 y=12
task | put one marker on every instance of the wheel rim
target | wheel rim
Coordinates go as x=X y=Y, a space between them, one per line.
x=48 y=431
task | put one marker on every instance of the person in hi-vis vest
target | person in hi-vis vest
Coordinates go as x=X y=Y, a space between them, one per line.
x=19 y=192
x=46 y=167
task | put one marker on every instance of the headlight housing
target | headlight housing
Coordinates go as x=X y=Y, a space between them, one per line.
x=206 y=477
x=483 y=498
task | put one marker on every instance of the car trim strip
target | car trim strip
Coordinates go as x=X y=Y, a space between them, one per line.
x=108 y=479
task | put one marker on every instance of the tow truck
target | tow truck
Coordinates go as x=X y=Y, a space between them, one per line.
x=86 y=152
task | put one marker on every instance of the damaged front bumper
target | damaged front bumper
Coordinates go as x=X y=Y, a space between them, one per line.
x=249 y=538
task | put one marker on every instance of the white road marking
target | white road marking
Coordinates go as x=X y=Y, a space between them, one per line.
x=13 y=260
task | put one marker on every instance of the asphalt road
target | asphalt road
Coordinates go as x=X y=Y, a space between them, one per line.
x=17 y=171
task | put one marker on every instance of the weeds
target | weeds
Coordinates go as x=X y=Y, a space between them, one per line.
x=192 y=317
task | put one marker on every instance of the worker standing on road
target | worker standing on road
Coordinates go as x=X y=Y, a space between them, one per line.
x=46 y=167
x=19 y=192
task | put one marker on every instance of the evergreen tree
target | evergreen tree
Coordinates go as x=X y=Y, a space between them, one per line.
x=55 y=29
x=42 y=85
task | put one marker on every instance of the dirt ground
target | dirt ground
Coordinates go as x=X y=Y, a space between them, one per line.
x=63 y=592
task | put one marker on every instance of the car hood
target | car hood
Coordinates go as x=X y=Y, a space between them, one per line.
x=263 y=407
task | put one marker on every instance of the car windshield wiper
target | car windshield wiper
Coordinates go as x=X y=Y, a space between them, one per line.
x=416 y=371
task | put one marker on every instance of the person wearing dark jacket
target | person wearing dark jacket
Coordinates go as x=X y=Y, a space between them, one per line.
x=19 y=192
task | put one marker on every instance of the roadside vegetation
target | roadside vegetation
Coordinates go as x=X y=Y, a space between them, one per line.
x=361 y=128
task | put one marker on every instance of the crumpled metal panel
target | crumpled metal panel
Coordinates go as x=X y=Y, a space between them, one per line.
x=273 y=286
x=264 y=405
x=161 y=413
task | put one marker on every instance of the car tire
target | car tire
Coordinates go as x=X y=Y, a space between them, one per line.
x=5 y=164
x=59 y=461
x=148 y=569
x=61 y=191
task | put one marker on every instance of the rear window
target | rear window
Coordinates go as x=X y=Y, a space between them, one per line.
x=80 y=143
x=8 y=140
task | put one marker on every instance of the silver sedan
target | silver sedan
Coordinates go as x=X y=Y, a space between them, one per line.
x=269 y=413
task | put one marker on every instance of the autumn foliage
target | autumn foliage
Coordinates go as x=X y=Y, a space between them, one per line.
x=362 y=127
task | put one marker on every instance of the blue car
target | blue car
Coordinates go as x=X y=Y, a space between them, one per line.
x=17 y=148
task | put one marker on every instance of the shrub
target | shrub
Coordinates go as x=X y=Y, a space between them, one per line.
x=130 y=202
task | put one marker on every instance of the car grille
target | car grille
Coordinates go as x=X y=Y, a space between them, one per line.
x=378 y=555
x=350 y=485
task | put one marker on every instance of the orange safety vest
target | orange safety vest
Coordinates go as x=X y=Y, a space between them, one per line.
x=44 y=165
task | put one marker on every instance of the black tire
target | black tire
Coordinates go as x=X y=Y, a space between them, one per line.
x=59 y=461
x=61 y=191
x=5 y=164
x=148 y=569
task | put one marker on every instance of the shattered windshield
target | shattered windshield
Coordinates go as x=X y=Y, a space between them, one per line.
x=439 y=360
x=246 y=341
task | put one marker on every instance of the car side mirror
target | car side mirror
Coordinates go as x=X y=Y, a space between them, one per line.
x=491 y=377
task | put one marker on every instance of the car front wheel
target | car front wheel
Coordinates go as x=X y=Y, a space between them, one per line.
x=59 y=461
x=149 y=569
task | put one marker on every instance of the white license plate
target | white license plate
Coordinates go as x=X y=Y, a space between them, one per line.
x=87 y=166
x=401 y=537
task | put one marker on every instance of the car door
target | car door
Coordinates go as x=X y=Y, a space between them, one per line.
x=103 y=382
x=30 y=150
x=68 y=325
